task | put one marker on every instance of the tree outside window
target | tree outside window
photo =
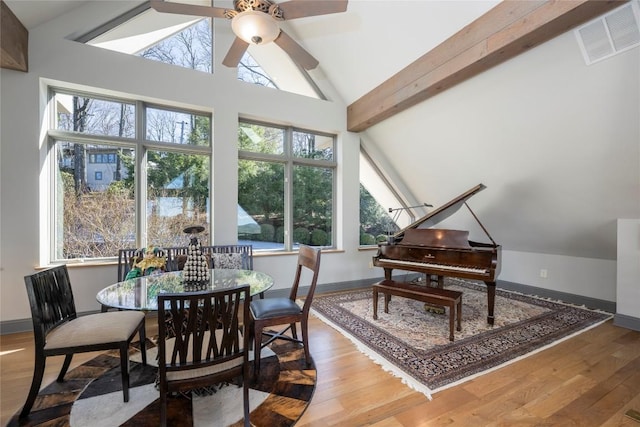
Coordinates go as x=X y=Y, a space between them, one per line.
x=286 y=181
x=96 y=148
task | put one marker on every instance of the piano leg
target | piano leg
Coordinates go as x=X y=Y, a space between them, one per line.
x=491 y=298
x=434 y=278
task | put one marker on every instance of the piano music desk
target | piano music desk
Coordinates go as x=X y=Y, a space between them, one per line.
x=426 y=294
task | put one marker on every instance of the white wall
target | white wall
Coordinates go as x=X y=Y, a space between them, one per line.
x=628 y=268
x=556 y=142
x=55 y=60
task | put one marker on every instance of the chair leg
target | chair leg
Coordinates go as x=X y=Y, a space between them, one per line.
x=143 y=342
x=163 y=407
x=305 y=341
x=257 y=347
x=245 y=397
x=124 y=368
x=65 y=367
x=38 y=372
x=294 y=331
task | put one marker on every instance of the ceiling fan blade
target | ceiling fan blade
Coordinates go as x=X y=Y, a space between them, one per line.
x=188 y=9
x=294 y=9
x=236 y=51
x=296 y=52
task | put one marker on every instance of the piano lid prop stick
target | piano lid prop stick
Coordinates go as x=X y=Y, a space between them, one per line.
x=400 y=209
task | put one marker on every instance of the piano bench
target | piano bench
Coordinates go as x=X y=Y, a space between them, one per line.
x=445 y=297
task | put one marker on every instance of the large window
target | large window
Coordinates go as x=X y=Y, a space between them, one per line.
x=286 y=187
x=187 y=41
x=126 y=174
x=382 y=211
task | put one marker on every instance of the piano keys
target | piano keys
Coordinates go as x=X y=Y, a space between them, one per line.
x=442 y=252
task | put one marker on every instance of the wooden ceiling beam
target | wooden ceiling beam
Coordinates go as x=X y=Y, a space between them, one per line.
x=509 y=29
x=14 y=41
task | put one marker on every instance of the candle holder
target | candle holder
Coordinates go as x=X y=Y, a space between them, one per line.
x=196 y=269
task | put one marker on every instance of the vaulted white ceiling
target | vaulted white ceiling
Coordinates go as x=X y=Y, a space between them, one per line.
x=357 y=50
x=556 y=141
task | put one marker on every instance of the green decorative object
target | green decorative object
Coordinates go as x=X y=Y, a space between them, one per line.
x=148 y=261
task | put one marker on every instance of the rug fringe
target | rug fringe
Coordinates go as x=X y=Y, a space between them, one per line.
x=379 y=360
x=416 y=385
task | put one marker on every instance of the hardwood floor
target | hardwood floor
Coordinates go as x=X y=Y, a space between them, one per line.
x=588 y=380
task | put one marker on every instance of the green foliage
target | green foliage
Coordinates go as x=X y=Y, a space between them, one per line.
x=267 y=232
x=312 y=204
x=120 y=188
x=381 y=238
x=319 y=237
x=67 y=182
x=301 y=235
x=367 y=239
x=373 y=218
x=279 y=235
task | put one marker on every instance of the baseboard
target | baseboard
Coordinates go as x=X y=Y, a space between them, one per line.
x=15 y=326
x=625 y=321
x=24 y=325
x=593 y=303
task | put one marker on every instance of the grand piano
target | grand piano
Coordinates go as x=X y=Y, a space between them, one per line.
x=443 y=252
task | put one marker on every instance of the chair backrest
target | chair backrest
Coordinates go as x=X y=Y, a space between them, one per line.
x=51 y=301
x=231 y=256
x=176 y=257
x=126 y=258
x=209 y=329
x=227 y=256
x=308 y=258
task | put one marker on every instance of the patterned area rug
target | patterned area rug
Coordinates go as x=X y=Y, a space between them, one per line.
x=92 y=395
x=413 y=343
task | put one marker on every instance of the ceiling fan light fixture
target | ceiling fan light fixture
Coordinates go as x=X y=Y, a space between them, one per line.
x=255 y=27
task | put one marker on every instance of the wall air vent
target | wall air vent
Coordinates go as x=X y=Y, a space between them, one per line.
x=612 y=33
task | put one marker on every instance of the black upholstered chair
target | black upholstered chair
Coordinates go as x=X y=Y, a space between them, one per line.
x=204 y=344
x=59 y=331
x=285 y=311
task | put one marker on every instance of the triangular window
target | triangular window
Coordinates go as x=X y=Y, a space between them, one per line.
x=270 y=64
x=181 y=40
x=187 y=41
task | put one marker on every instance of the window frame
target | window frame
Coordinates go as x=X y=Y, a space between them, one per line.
x=289 y=161
x=140 y=146
x=401 y=208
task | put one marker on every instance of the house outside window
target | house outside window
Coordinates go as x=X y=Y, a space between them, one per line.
x=102 y=201
x=286 y=186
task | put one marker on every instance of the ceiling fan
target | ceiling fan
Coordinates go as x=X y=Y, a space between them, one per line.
x=256 y=22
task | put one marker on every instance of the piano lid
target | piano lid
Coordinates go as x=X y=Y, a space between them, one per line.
x=443 y=212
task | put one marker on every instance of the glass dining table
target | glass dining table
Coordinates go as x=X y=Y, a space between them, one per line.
x=141 y=293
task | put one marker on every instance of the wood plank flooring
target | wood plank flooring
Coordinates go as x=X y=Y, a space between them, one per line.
x=588 y=380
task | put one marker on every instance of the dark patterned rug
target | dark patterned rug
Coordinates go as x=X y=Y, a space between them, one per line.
x=413 y=343
x=92 y=395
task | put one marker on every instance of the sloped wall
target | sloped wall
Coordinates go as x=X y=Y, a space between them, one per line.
x=556 y=142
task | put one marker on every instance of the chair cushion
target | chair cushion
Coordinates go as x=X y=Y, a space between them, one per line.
x=273 y=307
x=113 y=326
x=198 y=372
x=233 y=260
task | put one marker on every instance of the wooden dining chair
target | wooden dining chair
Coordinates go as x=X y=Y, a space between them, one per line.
x=126 y=259
x=239 y=257
x=205 y=343
x=269 y=312
x=231 y=256
x=59 y=331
